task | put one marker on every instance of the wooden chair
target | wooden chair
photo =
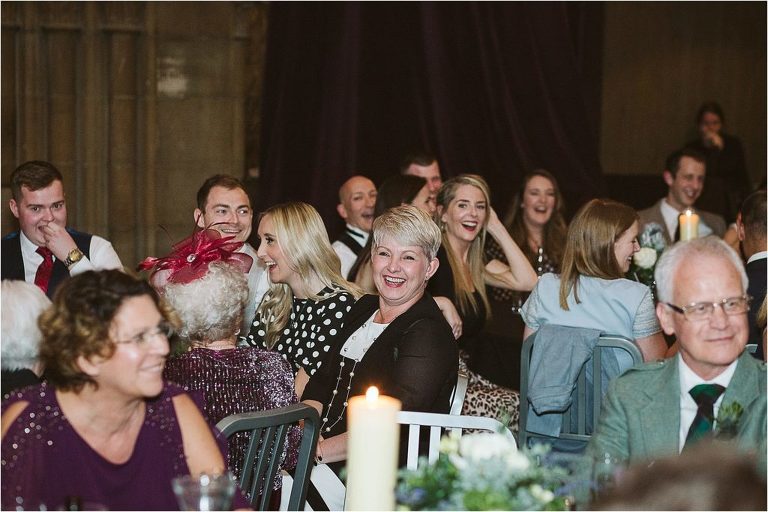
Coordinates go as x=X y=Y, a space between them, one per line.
x=437 y=423
x=264 y=453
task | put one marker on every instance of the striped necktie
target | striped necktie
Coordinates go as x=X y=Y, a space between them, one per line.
x=705 y=396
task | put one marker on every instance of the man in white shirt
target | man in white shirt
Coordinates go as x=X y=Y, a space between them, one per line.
x=424 y=166
x=684 y=174
x=661 y=408
x=223 y=204
x=45 y=252
x=357 y=197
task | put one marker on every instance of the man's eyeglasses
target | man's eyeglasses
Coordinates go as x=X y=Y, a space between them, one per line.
x=703 y=310
x=163 y=329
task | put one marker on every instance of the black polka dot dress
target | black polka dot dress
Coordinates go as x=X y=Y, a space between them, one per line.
x=313 y=325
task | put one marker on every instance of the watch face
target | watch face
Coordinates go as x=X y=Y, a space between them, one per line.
x=74 y=256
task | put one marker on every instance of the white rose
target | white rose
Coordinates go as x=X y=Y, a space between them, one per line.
x=541 y=494
x=516 y=461
x=645 y=257
x=478 y=447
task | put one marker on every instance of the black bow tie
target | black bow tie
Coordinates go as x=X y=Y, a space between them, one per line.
x=355 y=233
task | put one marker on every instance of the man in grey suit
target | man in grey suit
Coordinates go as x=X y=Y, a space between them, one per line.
x=657 y=409
x=684 y=173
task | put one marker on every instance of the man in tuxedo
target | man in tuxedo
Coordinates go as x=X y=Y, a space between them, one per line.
x=424 y=166
x=357 y=197
x=45 y=252
x=751 y=227
x=660 y=408
x=684 y=173
x=223 y=204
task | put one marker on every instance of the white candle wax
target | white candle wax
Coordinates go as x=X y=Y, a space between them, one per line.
x=372 y=451
x=689 y=225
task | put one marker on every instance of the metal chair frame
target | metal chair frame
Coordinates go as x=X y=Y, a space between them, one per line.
x=613 y=341
x=268 y=431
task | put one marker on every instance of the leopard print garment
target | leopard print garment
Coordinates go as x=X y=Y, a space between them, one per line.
x=485 y=398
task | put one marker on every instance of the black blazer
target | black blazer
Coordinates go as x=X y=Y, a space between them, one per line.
x=415 y=359
x=756 y=272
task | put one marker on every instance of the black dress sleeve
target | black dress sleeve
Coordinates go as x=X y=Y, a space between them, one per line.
x=426 y=366
x=441 y=283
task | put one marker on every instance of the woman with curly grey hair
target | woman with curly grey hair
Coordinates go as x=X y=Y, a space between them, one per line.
x=22 y=305
x=210 y=302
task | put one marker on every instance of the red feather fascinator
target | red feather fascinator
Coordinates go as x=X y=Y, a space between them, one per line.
x=189 y=258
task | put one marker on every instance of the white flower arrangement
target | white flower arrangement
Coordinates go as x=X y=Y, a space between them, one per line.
x=483 y=472
x=652 y=244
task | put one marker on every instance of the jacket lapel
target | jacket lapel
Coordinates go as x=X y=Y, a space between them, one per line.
x=744 y=387
x=660 y=418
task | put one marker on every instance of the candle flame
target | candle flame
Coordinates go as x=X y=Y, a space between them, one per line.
x=688 y=212
x=372 y=394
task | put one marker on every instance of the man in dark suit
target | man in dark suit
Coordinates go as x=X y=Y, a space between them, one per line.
x=423 y=165
x=660 y=408
x=751 y=226
x=684 y=173
x=45 y=251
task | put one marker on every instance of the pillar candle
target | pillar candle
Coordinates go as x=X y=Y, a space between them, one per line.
x=689 y=225
x=372 y=451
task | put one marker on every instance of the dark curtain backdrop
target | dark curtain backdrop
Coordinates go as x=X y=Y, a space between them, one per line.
x=497 y=89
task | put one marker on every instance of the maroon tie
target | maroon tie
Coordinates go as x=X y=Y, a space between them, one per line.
x=45 y=269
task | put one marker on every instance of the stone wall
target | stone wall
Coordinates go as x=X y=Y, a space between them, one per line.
x=136 y=103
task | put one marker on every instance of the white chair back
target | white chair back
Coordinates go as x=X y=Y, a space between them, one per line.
x=436 y=424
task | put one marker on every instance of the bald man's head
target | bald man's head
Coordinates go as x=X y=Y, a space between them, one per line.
x=357 y=197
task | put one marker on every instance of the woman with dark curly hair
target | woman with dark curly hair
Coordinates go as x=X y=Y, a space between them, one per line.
x=105 y=428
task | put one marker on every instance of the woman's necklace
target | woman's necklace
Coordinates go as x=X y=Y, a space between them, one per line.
x=354 y=351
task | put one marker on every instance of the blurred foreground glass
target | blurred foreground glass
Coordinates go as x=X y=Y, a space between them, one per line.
x=606 y=472
x=204 y=492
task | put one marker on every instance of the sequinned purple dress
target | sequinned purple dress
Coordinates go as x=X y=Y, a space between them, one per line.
x=238 y=380
x=44 y=459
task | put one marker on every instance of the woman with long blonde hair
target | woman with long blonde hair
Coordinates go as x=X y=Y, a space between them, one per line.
x=464 y=215
x=307 y=298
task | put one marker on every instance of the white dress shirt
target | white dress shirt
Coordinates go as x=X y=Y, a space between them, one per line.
x=346 y=255
x=258 y=284
x=102 y=257
x=688 y=406
x=758 y=256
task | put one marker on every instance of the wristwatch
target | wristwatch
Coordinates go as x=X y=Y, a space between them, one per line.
x=73 y=257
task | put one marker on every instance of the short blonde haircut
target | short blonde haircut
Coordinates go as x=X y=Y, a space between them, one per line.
x=408 y=225
x=463 y=284
x=302 y=237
